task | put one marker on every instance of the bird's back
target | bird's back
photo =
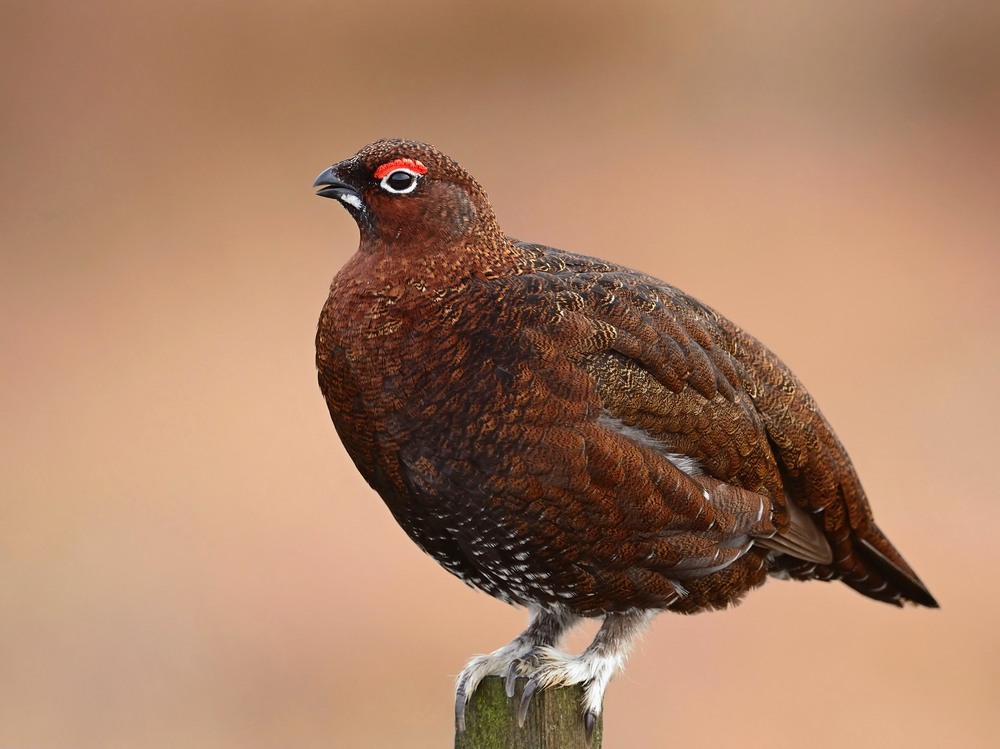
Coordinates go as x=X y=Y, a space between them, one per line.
x=676 y=363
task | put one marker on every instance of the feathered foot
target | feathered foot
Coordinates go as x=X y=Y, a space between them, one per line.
x=593 y=668
x=512 y=660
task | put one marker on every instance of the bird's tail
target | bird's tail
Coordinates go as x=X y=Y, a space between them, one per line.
x=884 y=574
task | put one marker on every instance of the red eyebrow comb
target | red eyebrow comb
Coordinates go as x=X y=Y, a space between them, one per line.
x=412 y=164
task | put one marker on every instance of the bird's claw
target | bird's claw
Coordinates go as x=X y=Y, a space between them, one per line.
x=507 y=665
x=522 y=710
x=539 y=678
x=461 y=699
x=510 y=681
x=589 y=723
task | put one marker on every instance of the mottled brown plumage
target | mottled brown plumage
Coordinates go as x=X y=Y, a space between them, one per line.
x=568 y=434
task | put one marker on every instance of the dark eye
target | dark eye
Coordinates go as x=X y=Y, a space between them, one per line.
x=399 y=181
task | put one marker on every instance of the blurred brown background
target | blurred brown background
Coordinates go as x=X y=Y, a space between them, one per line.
x=187 y=557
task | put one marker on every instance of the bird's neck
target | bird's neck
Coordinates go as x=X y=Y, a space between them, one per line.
x=380 y=264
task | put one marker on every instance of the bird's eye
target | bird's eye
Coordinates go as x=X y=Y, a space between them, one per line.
x=399 y=181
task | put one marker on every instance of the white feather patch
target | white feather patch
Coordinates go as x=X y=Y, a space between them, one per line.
x=352 y=200
x=685 y=463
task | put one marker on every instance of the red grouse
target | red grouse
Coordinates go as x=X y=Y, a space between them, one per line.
x=571 y=435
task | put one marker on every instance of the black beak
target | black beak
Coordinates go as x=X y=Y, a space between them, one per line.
x=331 y=186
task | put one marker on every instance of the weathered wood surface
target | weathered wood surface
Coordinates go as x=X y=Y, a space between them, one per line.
x=554 y=720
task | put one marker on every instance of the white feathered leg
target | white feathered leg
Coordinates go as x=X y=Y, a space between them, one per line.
x=516 y=658
x=593 y=668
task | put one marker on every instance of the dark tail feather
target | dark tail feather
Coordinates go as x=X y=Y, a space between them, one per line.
x=899 y=582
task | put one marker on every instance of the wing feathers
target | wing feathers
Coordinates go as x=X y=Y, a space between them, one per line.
x=803 y=538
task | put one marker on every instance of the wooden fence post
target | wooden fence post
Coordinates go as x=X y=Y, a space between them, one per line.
x=553 y=722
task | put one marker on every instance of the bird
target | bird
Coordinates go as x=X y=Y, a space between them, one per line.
x=570 y=435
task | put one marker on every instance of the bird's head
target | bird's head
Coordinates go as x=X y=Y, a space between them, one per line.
x=402 y=192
